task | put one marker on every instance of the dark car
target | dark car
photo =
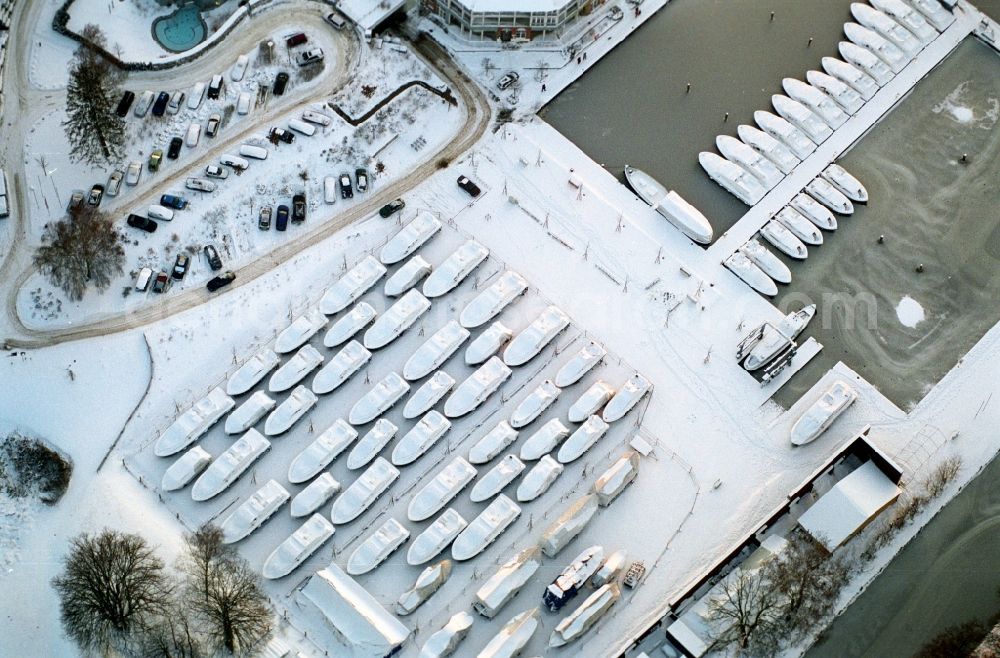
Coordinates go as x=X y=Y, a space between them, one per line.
x=264 y=219
x=125 y=103
x=141 y=223
x=281 y=223
x=468 y=186
x=299 y=208
x=346 y=192
x=283 y=135
x=215 y=87
x=296 y=39
x=181 y=264
x=220 y=281
x=175 y=148
x=212 y=254
x=173 y=201
x=361 y=176
x=160 y=106
x=213 y=125
x=392 y=208
x=280 y=82
x=95 y=196
x=161 y=282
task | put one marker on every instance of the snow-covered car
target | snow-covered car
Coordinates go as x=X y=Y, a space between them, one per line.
x=197 y=95
x=215 y=171
x=361 y=179
x=176 y=100
x=310 y=56
x=142 y=280
x=239 y=68
x=95 y=196
x=213 y=125
x=75 y=199
x=243 y=104
x=330 y=189
x=234 y=161
x=193 y=135
x=346 y=191
x=507 y=80
x=199 y=185
x=133 y=173
x=215 y=86
x=264 y=219
x=392 y=208
x=115 y=182
x=317 y=118
x=336 y=21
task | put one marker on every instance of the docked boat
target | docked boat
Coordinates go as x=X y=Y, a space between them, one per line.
x=498 y=477
x=733 y=178
x=297 y=547
x=770 y=264
x=823 y=412
x=349 y=288
x=298 y=332
x=769 y=147
x=581 y=440
x=908 y=17
x=371 y=444
x=363 y=492
x=407 y=276
x=866 y=60
x=784 y=132
x=815 y=100
x=288 y=412
x=591 y=402
x=397 y=318
x=513 y=637
x=627 y=397
x=566 y=528
x=814 y=211
x=844 y=95
x=535 y=404
x=736 y=151
x=612 y=482
x=750 y=274
x=573 y=578
x=784 y=240
x=508 y=580
x=420 y=438
x=307 y=359
x=493 y=443
x=479 y=386
x=537 y=481
x=775 y=338
x=429 y=581
x=848 y=185
x=935 y=14
x=344 y=329
x=428 y=395
x=321 y=452
x=186 y=468
x=250 y=373
x=852 y=76
x=435 y=351
x=254 y=512
x=544 y=440
x=454 y=269
x=889 y=29
x=891 y=54
x=443 y=642
x=647 y=187
x=487 y=343
x=410 y=238
x=387 y=392
x=351 y=358
x=801 y=117
x=193 y=423
x=821 y=190
x=374 y=550
x=485 y=528
x=582 y=362
x=444 y=486
x=230 y=465
x=492 y=300
x=247 y=414
x=315 y=495
x=437 y=537
x=583 y=618
x=533 y=339
x=801 y=227
x=685 y=217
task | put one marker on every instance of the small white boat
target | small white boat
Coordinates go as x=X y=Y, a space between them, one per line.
x=583 y=618
x=247 y=414
x=487 y=344
x=582 y=439
x=800 y=227
x=591 y=402
x=314 y=496
x=866 y=60
x=821 y=190
x=410 y=238
x=619 y=475
x=769 y=147
x=374 y=550
x=614 y=565
x=428 y=395
x=437 y=537
x=908 y=17
x=254 y=512
x=852 y=76
x=508 y=580
x=341 y=367
x=250 y=373
x=513 y=637
x=444 y=486
x=228 y=466
x=848 y=185
x=429 y=581
x=757 y=164
x=420 y=438
x=537 y=481
x=685 y=217
x=397 y=318
x=814 y=211
x=750 y=274
x=346 y=327
x=844 y=95
x=733 y=178
x=435 y=351
x=193 y=423
x=627 y=397
x=297 y=547
x=493 y=443
x=801 y=117
x=533 y=339
x=320 y=453
x=784 y=132
x=288 y=412
x=535 y=404
x=479 y=386
x=498 y=477
x=371 y=443
x=185 y=468
x=443 y=643
x=775 y=338
x=485 y=528
x=648 y=188
x=492 y=300
x=582 y=362
x=307 y=359
x=889 y=29
x=299 y=331
x=935 y=14
x=407 y=276
x=885 y=50
x=363 y=492
x=771 y=265
x=387 y=392
x=784 y=240
x=822 y=413
x=454 y=269
x=815 y=100
x=349 y=288
x=573 y=578
x=544 y=440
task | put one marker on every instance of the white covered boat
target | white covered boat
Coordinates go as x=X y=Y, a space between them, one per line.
x=254 y=512
x=784 y=132
x=581 y=440
x=250 y=373
x=185 y=468
x=762 y=257
x=493 y=443
x=349 y=288
x=784 y=240
x=410 y=238
x=866 y=60
x=435 y=351
x=537 y=481
x=288 y=412
x=228 y=466
x=374 y=550
x=487 y=343
x=454 y=269
x=429 y=581
x=852 y=76
x=371 y=443
x=544 y=440
x=908 y=17
x=736 y=151
x=815 y=100
x=567 y=527
x=533 y=339
x=685 y=217
x=535 y=404
x=583 y=618
x=407 y=276
x=247 y=414
x=573 y=578
x=364 y=491
x=437 y=493
x=485 y=528
x=320 y=453
x=776 y=337
x=443 y=642
x=437 y=537
x=387 y=392
x=508 y=580
x=769 y=147
x=648 y=188
x=428 y=395
x=843 y=94
x=307 y=359
x=346 y=327
x=823 y=412
x=935 y=14
x=492 y=300
x=193 y=423
x=480 y=385
x=889 y=29
x=733 y=178
x=582 y=362
x=299 y=331
x=800 y=227
x=612 y=567
x=498 y=477
x=848 y=185
x=513 y=637
x=891 y=54
x=830 y=196
x=351 y=358
x=591 y=402
x=814 y=211
x=619 y=475
x=397 y=318
x=802 y=118
x=314 y=496
x=751 y=275
x=420 y=438
x=627 y=397
x=297 y=547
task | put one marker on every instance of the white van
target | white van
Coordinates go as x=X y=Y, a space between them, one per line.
x=316 y=117
x=143 y=104
x=193 y=134
x=159 y=212
x=234 y=161
x=243 y=104
x=197 y=95
x=142 y=281
x=330 y=189
x=302 y=127
x=255 y=152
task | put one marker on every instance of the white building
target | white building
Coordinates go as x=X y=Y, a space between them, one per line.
x=508 y=20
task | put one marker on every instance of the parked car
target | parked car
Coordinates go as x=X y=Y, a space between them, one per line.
x=212 y=255
x=316 y=117
x=234 y=161
x=346 y=192
x=330 y=189
x=215 y=171
x=215 y=87
x=114 y=182
x=143 y=279
x=155 y=158
x=199 y=185
x=336 y=21
x=281 y=223
x=175 y=148
x=173 y=201
x=392 y=208
x=125 y=103
x=220 y=281
x=213 y=125
x=193 y=135
x=467 y=185
x=302 y=127
x=141 y=223
x=159 y=212
x=310 y=56
x=239 y=68
x=161 y=283
x=243 y=103
x=134 y=173
x=145 y=102
x=76 y=199
x=176 y=100
x=252 y=151
x=181 y=264
x=299 y=208
x=280 y=82
x=95 y=196
x=507 y=80
x=296 y=39
x=264 y=219
x=280 y=134
x=361 y=178
x=160 y=106
x=197 y=95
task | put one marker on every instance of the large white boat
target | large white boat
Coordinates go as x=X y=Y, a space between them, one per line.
x=769 y=147
x=581 y=440
x=784 y=240
x=647 y=187
x=254 y=512
x=733 y=178
x=583 y=618
x=421 y=438
x=454 y=269
x=297 y=547
x=544 y=440
x=341 y=367
x=429 y=581
x=508 y=580
x=582 y=362
x=378 y=546
x=815 y=100
x=349 y=288
x=288 y=412
x=865 y=60
x=750 y=274
x=889 y=29
x=612 y=482
x=671 y=205
x=320 y=453
x=363 y=492
x=848 y=185
x=485 y=528
x=437 y=537
x=444 y=486
x=387 y=392
x=823 y=412
x=228 y=466
x=893 y=56
x=627 y=397
x=814 y=211
x=307 y=359
x=397 y=318
x=908 y=17
x=830 y=196
x=487 y=343
x=852 y=76
x=801 y=117
x=347 y=326
x=498 y=477
x=410 y=238
x=736 y=151
x=535 y=404
x=247 y=414
x=533 y=339
x=492 y=300
x=770 y=264
x=935 y=14
x=299 y=331
x=591 y=402
x=250 y=373
x=843 y=94
x=407 y=276
x=435 y=351
x=371 y=443
x=493 y=443
x=475 y=390
x=513 y=637
x=315 y=495
x=801 y=227
x=537 y=481
x=428 y=395
x=784 y=132
x=193 y=423
x=185 y=468
x=443 y=642
x=775 y=338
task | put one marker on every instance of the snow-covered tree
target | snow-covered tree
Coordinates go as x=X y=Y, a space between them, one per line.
x=82 y=250
x=96 y=134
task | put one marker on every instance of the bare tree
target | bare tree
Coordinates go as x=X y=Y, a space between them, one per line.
x=82 y=250
x=172 y=635
x=809 y=580
x=746 y=611
x=95 y=132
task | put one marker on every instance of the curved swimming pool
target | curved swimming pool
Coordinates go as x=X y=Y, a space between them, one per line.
x=180 y=31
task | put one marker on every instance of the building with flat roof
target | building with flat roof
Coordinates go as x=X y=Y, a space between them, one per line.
x=508 y=20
